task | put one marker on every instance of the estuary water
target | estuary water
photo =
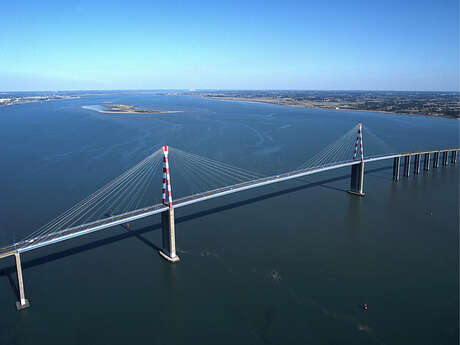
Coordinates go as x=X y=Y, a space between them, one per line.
x=290 y=263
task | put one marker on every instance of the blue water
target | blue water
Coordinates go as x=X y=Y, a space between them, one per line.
x=285 y=264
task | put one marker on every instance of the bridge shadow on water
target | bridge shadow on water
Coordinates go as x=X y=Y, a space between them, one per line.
x=10 y=271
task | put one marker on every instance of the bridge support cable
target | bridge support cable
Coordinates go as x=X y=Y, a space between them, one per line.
x=376 y=146
x=130 y=194
x=93 y=198
x=207 y=176
x=99 y=203
x=202 y=179
x=340 y=150
x=196 y=180
x=203 y=174
x=133 y=193
x=145 y=188
x=109 y=202
x=216 y=177
x=218 y=166
x=120 y=201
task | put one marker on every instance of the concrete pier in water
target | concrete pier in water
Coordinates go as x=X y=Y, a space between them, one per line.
x=357 y=179
x=453 y=158
x=396 y=166
x=169 y=237
x=426 y=166
x=445 y=158
x=417 y=164
x=23 y=302
x=436 y=160
x=407 y=165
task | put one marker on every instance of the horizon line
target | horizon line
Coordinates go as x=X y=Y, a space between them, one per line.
x=226 y=90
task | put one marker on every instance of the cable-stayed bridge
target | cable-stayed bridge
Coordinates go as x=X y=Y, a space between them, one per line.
x=129 y=197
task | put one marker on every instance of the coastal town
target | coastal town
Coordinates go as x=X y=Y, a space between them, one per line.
x=441 y=104
x=17 y=99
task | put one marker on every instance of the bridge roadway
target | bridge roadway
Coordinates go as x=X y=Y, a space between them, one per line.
x=127 y=217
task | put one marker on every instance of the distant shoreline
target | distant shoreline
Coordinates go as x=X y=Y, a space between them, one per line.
x=9 y=101
x=306 y=106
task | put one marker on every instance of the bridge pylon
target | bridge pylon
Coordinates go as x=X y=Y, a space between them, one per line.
x=357 y=170
x=168 y=251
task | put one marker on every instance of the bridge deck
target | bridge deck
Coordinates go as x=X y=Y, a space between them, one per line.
x=108 y=222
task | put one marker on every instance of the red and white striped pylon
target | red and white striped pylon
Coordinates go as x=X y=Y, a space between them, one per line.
x=166 y=179
x=359 y=140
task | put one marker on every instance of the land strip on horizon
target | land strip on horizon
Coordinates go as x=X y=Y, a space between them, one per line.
x=438 y=104
x=428 y=103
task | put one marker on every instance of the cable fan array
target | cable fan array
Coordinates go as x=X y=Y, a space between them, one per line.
x=124 y=193
x=375 y=146
x=342 y=149
x=191 y=174
x=140 y=186
x=194 y=174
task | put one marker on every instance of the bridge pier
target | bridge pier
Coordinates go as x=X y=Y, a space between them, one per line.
x=357 y=179
x=417 y=165
x=407 y=165
x=426 y=166
x=436 y=160
x=445 y=158
x=396 y=164
x=453 y=158
x=169 y=236
x=23 y=302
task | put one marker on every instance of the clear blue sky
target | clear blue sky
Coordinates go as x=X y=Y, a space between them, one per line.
x=366 y=44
